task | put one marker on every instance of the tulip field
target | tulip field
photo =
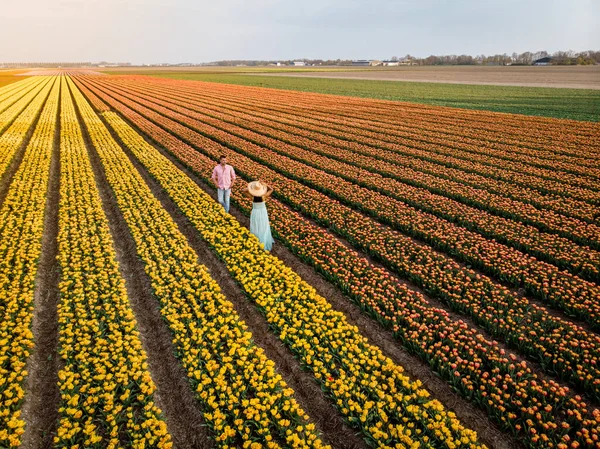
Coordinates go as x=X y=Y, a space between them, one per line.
x=435 y=280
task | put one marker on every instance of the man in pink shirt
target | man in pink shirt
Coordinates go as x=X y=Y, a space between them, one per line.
x=223 y=176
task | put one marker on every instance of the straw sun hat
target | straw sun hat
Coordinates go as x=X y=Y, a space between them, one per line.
x=257 y=188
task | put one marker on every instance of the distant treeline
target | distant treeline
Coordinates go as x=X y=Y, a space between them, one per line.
x=526 y=58
x=589 y=57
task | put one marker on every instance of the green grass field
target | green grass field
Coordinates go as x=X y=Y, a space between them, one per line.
x=577 y=104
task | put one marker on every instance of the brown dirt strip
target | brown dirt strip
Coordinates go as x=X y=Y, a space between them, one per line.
x=40 y=408
x=173 y=396
x=308 y=394
x=468 y=413
x=557 y=77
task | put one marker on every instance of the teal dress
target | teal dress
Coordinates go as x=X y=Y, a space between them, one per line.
x=259 y=223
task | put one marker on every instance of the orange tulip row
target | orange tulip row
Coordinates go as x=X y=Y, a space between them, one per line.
x=300 y=131
x=577 y=230
x=559 y=136
x=542 y=412
x=98 y=104
x=555 y=249
x=541 y=279
x=408 y=130
x=578 y=187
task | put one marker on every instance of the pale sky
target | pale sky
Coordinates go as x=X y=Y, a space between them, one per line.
x=154 y=31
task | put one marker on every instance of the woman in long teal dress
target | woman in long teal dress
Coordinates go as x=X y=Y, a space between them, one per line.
x=259 y=219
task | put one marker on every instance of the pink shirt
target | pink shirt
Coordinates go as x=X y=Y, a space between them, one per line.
x=223 y=176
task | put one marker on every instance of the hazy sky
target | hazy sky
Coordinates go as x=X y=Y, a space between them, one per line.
x=151 y=31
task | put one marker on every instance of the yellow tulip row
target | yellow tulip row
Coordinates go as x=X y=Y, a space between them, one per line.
x=19 y=118
x=10 y=114
x=373 y=394
x=11 y=93
x=245 y=401
x=106 y=392
x=21 y=229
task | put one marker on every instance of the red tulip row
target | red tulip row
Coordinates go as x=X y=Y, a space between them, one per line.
x=560 y=136
x=403 y=168
x=500 y=312
x=542 y=412
x=537 y=277
x=504 y=153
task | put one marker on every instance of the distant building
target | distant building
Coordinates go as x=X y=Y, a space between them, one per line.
x=543 y=61
x=391 y=63
x=361 y=62
x=299 y=63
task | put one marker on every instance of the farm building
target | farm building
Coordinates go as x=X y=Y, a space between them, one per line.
x=361 y=62
x=299 y=63
x=543 y=61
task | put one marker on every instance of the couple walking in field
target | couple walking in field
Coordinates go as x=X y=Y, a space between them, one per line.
x=224 y=177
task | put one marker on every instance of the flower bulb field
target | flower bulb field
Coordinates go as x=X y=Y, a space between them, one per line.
x=434 y=283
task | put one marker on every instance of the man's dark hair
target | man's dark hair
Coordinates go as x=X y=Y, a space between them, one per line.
x=222 y=157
